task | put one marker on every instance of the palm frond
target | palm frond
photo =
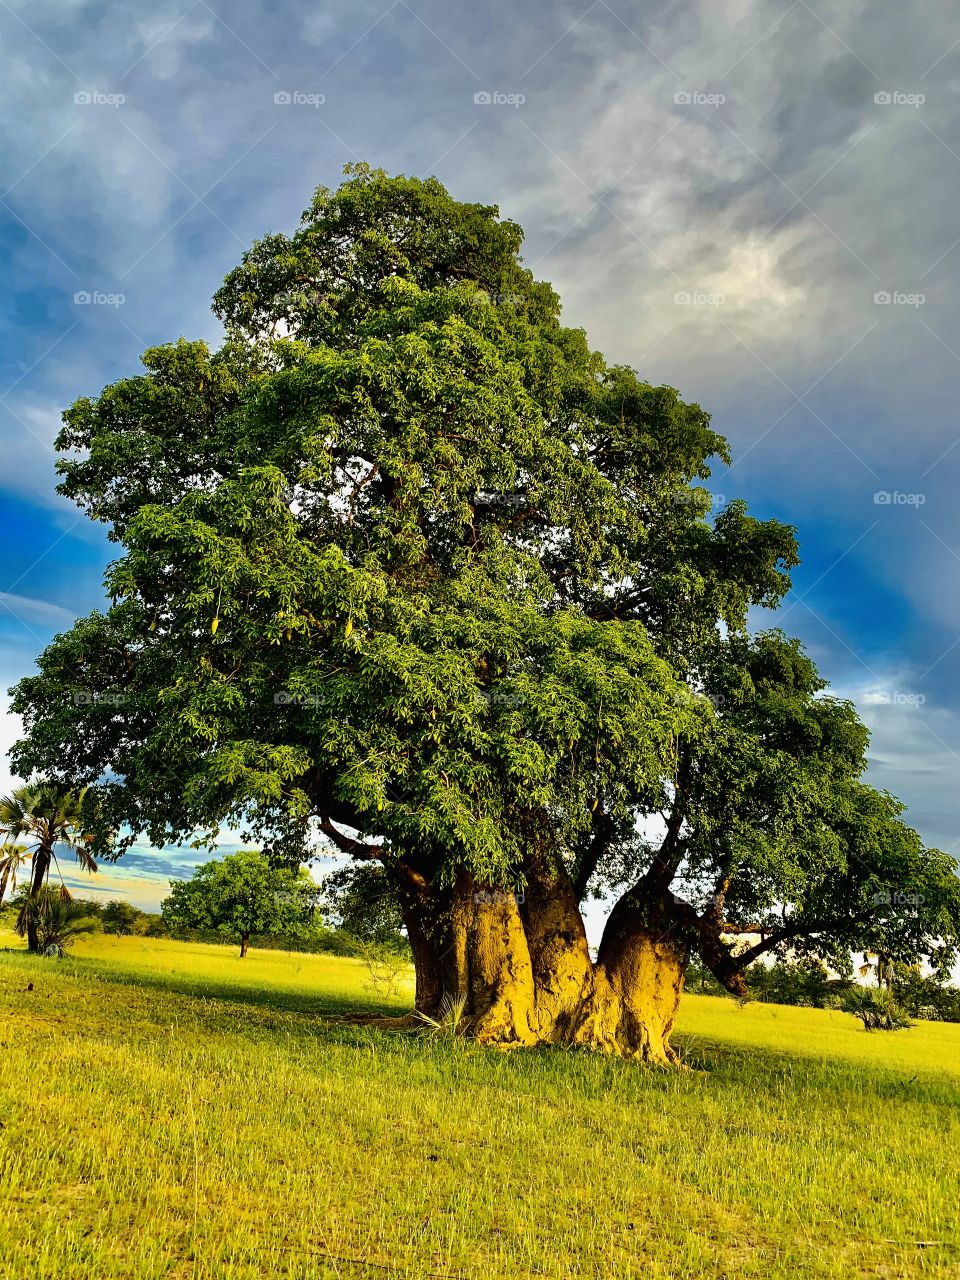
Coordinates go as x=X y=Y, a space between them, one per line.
x=85 y=858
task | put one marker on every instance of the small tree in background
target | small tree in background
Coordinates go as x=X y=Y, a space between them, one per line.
x=13 y=859
x=242 y=895
x=123 y=919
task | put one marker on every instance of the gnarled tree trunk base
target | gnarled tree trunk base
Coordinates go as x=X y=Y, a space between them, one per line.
x=515 y=972
x=631 y=1024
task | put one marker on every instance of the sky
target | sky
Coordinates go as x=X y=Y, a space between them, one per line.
x=753 y=201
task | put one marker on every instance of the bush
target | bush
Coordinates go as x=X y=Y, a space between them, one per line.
x=877 y=1009
x=59 y=921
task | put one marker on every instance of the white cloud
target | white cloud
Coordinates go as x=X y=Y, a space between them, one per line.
x=28 y=609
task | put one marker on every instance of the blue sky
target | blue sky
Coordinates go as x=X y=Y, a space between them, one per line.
x=724 y=193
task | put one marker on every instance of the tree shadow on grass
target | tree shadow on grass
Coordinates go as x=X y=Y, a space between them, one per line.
x=321 y=1004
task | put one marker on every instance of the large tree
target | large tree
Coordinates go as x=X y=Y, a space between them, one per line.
x=405 y=563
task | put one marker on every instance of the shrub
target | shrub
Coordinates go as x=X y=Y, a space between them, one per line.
x=58 y=920
x=877 y=1009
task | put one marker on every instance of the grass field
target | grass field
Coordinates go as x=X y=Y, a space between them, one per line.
x=169 y=1110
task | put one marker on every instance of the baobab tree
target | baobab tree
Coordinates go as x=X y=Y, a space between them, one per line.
x=407 y=564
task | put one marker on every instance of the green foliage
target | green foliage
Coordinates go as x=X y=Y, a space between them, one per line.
x=419 y=562
x=930 y=996
x=806 y=983
x=57 y=919
x=877 y=1009
x=361 y=900
x=780 y=835
x=241 y=895
x=124 y=919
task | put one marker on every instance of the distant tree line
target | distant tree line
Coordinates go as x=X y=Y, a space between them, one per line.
x=351 y=914
x=929 y=997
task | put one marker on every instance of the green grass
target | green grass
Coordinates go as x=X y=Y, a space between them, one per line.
x=169 y=1110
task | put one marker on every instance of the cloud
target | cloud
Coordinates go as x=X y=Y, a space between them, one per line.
x=914 y=752
x=732 y=248
x=42 y=611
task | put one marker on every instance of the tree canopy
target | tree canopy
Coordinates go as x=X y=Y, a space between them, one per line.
x=240 y=895
x=405 y=562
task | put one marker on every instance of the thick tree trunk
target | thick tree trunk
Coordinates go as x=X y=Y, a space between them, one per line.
x=471 y=959
x=637 y=985
x=557 y=941
x=244 y=944
x=426 y=913
x=499 y=987
x=41 y=866
x=517 y=970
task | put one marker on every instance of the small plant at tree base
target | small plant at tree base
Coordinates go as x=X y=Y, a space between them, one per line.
x=877 y=1010
x=450 y=1020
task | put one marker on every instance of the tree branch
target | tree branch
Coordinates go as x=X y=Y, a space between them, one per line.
x=371 y=853
x=346 y=844
x=590 y=858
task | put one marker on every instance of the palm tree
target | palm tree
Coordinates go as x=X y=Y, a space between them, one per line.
x=57 y=919
x=13 y=859
x=47 y=814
